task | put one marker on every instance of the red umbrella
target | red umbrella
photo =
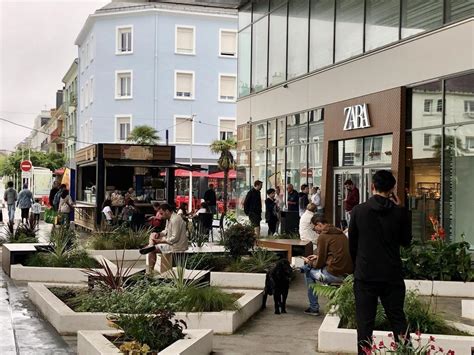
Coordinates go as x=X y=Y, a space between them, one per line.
x=185 y=173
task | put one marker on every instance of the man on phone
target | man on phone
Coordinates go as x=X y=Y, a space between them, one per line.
x=377 y=229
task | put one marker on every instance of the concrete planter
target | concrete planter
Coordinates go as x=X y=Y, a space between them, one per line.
x=467 y=309
x=331 y=338
x=441 y=288
x=129 y=255
x=66 y=321
x=238 y=280
x=196 y=342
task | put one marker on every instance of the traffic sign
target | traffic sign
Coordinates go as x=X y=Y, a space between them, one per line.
x=26 y=165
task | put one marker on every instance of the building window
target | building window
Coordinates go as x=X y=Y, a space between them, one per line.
x=184 y=85
x=227 y=88
x=428 y=106
x=431 y=140
x=123 y=84
x=349 y=28
x=183 y=130
x=88 y=59
x=277 y=47
x=439 y=105
x=123 y=126
x=86 y=97
x=228 y=43
x=382 y=21
x=421 y=15
x=124 y=40
x=321 y=33
x=185 y=40
x=469 y=107
x=81 y=100
x=92 y=48
x=470 y=143
x=82 y=60
x=259 y=54
x=91 y=88
x=226 y=129
x=298 y=17
x=244 y=61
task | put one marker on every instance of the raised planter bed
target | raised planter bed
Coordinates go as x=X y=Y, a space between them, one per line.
x=66 y=321
x=196 y=342
x=467 y=308
x=441 y=288
x=331 y=338
x=238 y=280
x=129 y=255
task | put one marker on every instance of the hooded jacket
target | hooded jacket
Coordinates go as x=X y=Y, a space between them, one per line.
x=377 y=229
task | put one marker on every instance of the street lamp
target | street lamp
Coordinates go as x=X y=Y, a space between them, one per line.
x=190 y=200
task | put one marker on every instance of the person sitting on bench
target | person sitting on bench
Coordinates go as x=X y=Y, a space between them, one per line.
x=172 y=239
x=332 y=262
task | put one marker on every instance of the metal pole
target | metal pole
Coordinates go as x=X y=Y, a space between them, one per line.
x=190 y=203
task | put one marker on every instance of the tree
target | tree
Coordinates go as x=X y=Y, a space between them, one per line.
x=225 y=162
x=51 y=161
x=144 y=135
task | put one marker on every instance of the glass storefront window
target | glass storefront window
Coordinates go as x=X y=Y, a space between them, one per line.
x=349 y=152
x=259 y=135
x=421 y=15
x=272 y=133
x=259 y=168
x=315 y=162
x=275 y=3
x=297 y=128
x=298 y=17
x=277 y=47
x=281 y=131
x=382 y=21
x=245 y=16
x=423 y=179
x=426 y=105
x=245 y=44
x=271 y=168
x=459 y=93
x=459 y=9
x=243 y=137
x=243 y=183
x=349 y=28
x=378 y=150
x=280 y=168
x=259 y=54
x=260 y=8
x=321 y=34
x=296 y=169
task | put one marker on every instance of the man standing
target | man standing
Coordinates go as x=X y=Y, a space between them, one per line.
x=172 y=239
x=10 y=196
x=352 y=198
x=377 y=229
x=303 y=200
x=211 y=199
x=253 y=206
x=292 y=201
x=53 y=192
x=332 y=262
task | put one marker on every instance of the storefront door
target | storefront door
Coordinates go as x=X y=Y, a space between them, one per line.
x=340 y=193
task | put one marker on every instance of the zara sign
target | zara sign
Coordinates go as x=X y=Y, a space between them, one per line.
x=357 y=117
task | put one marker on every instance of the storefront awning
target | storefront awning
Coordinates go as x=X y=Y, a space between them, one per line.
x=185 y=173
x=220 y=175
x=59 y=171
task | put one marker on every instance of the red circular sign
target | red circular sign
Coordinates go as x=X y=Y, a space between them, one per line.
x=26 y=165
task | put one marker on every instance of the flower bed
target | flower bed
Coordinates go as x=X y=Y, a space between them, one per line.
x=67 y=321
x=196 y=342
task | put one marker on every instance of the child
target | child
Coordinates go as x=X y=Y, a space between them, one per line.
x=36 y=209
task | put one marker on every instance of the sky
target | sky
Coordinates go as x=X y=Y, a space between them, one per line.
x=36 y=49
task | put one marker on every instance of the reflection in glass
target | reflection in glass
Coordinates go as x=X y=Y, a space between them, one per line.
x=271 y=168
x=378 y=150
x=315 y=162
x=297 y=128
x=382 y=19
x=460 y=99
x=245 y=16
x=260 y=8
x=258 y=170
x=423 y=172
x=243 y=183
x=259 y=54
x=424 y=105
x=349 y=28
x=272 y=133
x=245 y=44
x=350 y=152
x=259 y=135
x=458 y=9
x=281 y=122
x=421 y=15
x=243 y=137
x=275 y=3
x=277 y=48
x=321 y=34
x=298 y=14
x=280 y=168
x=296 y=170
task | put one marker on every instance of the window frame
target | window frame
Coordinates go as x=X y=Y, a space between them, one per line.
x=117 y=39
x=193 y=93
x=117 y=128
x=175 y=117
x=176 y=27
x=117 y=73
x=219 y=120
x=91 y=90
x=221 y=30
x=219 y=88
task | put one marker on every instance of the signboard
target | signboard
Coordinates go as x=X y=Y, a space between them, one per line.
x=41 y=182
x=356 y=117
x=26 y=165
x=135 y=152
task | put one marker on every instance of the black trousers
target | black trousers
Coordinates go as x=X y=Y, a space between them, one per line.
x=272 y=224
x=392 y=296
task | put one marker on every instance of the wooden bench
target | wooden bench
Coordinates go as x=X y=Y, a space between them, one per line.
x=294 y=247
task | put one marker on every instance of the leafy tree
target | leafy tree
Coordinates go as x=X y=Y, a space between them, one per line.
x=225 y=162
x=144 y=135
x=52 y=161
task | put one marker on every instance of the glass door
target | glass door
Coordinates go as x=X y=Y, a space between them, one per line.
x=340 y=193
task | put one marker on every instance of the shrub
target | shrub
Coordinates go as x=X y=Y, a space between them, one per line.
x=260 y=261
x=120 y=238
x=73 y=259
x=239 y=239
x=208 y=261
x=157 y=331
x=24 y=233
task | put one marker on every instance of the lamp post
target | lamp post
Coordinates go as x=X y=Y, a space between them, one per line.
x=190 y=200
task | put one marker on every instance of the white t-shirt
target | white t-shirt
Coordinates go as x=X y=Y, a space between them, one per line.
x=108 y=212
x=36 y=208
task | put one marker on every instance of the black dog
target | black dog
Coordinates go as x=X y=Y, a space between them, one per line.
x=277 y=283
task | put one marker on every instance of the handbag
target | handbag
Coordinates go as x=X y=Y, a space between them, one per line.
x=50 y=215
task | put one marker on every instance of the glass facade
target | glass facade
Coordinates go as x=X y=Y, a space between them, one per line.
x=283 y=39
x=440 y=157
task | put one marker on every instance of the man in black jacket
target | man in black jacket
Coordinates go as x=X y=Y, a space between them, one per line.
x=210 y=198
x=377 y=229
x=253 y=206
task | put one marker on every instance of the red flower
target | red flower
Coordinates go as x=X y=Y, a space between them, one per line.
x=442 y=233
x=418 y=333
x=441 y=349
x=390 y=335
x=433 y=347
x=450 y=352
x=381 y=344
x=432 y=338
x=367 y=350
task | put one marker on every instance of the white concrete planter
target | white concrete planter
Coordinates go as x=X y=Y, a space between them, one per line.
x=238 y=280
x=52 y=274
x=467 y=308
x=113 y=255
x=441 y=288
x=196 y=342
x=66 y=321
x=334 y=339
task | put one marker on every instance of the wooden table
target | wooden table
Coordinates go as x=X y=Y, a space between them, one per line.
x=294 y=247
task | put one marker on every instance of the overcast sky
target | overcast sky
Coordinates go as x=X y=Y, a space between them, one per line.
x=36 y=49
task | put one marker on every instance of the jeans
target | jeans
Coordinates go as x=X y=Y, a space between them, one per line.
x=321 y=275
x=11 y=212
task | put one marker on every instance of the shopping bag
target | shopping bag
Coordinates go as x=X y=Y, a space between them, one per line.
x=50 y=215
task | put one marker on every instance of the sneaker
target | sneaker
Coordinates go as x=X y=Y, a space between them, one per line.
x=311 y=312
x=147 y=250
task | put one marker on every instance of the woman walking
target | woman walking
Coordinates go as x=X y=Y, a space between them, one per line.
x=65 y=207
x=25 y=200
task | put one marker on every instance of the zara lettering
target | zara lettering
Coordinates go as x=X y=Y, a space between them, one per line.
x=357 y=117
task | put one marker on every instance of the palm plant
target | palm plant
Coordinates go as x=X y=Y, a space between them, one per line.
x=181 y=280
x=144 y=135
x=225 y=162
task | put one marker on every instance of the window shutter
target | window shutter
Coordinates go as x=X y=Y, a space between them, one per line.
x=184 y=84
x=185 y=40
x=228 y=43
x=227 y=125
x=227 y=87
x=183 y=130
